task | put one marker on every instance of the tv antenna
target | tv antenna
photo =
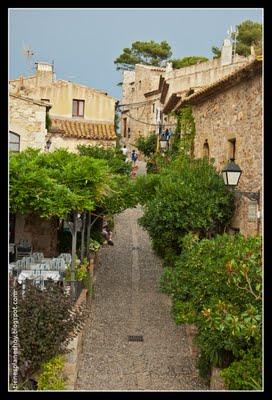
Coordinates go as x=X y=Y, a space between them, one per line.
x=233 y=33
x=28 y=54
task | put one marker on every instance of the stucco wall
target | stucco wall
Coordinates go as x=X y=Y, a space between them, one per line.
x=60 y=93
x=235 y=113
x=27 y=120
x=71 y=144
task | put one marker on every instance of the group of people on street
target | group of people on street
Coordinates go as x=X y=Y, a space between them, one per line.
x=133 y=156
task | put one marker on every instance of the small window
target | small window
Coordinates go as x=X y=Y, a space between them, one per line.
x=140 y=85
x=46 y=100
x=14 y=142
x=206 y=149
x=232 y=148
x=78 y=108
x=153 y=107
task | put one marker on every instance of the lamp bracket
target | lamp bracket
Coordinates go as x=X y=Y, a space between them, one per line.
x=253 y=196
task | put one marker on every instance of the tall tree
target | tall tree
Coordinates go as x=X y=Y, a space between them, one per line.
x=249 y=33
x=149 y=53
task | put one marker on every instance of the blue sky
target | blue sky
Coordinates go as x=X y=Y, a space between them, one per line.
x=84 y=42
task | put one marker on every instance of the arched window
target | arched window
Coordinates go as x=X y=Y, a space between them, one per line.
x=206 y=149
x=14 y=141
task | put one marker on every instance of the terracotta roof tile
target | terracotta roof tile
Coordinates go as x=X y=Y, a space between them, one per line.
x=83 y=129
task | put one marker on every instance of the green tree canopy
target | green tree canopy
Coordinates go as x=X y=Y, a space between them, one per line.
x=249 y=33
x=149 y=53
x=53 y=184
x=187 y=61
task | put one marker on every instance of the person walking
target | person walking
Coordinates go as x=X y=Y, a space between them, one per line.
x=125 y=150
x=134 y=157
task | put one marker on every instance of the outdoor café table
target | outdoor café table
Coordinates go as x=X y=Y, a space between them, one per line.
x=29 y=274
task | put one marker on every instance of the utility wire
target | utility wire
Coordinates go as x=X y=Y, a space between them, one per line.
x=148 y=123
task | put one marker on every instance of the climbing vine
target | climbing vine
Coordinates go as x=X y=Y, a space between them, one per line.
x=185 y=131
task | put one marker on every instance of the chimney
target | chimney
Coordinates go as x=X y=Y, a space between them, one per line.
x=226 y=52
x=44 y=74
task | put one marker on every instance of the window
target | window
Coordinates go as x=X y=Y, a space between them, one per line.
x=153 y=107
x=206 y=149
x=140 y=84
x=14 y=141
x=232 y=148
x=125 y=127
x=78 y=108
x=46 y=100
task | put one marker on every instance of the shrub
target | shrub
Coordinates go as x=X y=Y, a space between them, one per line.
x=245 y=374
x=51 y=377
x=148 y=145
x=177 y=204
x=46 y=321
x=217 y=285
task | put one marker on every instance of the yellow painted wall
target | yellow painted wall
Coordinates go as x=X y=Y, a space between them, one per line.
x=98 y=107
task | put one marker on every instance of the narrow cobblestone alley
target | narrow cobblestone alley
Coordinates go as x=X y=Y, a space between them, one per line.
x=127 y=302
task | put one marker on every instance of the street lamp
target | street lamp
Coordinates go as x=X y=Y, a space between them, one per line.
x=231 y=174
x=163 y=143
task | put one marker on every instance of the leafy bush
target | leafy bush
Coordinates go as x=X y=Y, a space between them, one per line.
x=245 y=374
x=148 y=145
x=217 y=285
x=51 y=377
x=177 y=203
x=114 y=157
x=46 y=322
x=94 y=245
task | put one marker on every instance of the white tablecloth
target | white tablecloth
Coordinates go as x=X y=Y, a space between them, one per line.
x=29 y=274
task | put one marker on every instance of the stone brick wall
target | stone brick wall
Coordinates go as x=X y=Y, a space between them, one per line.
x=145 y=79
x=41 y=233
x=200 y=75
x=27 y=119
x=235 y=113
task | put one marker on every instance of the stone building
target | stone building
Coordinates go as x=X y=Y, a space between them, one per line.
x=79 y=114
x=27 y=123
x=228 y=120
x=151 y=92
x=140 y=112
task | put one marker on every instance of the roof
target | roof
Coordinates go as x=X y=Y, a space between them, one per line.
x=228 y=81
x=82 y=129
x=29 y=100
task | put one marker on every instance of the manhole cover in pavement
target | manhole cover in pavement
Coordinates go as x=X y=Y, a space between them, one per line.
x=136 y=338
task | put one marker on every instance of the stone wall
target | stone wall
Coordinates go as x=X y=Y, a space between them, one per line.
x=135 y=84
x=235 y=113
x=41 y=233
x=27 y=119
x=200 y=75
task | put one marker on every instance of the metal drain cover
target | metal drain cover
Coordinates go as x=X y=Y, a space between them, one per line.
x=135 y=338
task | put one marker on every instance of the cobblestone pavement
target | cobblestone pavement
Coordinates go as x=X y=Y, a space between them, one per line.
x=127 y=302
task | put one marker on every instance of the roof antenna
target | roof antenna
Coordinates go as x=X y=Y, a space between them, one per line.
x=28 y=53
